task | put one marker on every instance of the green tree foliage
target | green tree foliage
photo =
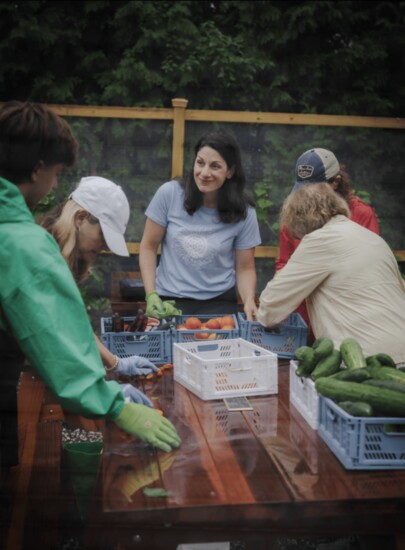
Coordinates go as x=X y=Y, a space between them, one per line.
x=336 y=57
x=329 y=57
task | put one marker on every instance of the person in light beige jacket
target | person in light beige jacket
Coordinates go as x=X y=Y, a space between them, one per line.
x=347 y=274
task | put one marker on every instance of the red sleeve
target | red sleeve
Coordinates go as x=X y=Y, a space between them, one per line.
x=364 y=215
x=287 y=247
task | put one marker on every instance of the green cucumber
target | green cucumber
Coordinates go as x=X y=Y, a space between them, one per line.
x=387 y=373
x=372 y=361
x=327 y=366
x=352 y=354
x=306 y=358
x=323 y=347
x=390 y=384
x=385 y=401
x=386 y=360
x=357 y=408
x=355 y=375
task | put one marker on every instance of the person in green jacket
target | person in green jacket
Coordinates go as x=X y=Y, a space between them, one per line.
x=42 y=315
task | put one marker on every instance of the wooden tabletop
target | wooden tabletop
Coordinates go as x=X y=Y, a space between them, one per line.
x=252 y=476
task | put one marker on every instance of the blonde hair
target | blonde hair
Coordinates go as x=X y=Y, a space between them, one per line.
x=61 y=225
x=310 y=207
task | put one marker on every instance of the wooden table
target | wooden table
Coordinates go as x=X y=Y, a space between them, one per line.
x=253 y=476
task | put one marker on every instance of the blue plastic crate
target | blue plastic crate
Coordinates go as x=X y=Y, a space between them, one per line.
x=282 y=339
x=361 y=443
x=192 y=335
x=155 y=345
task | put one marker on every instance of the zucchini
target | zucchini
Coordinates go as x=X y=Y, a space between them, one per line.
x=327 y=366
x=386 y=360
x=355 y=375
x=387 y=373
x=390 y=384
x=323 y=347
x=386 y=401
x=352 y=354
x=357 y=408
x=306 y=358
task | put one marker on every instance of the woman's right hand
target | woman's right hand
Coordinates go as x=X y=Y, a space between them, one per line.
x=158 y=309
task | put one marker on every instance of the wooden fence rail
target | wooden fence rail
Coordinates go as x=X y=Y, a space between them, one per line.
x=260 y=252
x=179 y=115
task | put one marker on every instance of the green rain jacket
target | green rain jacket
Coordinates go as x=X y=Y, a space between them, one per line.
x=42 y=308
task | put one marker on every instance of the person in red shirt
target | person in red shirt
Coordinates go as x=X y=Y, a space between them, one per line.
x=317 y=166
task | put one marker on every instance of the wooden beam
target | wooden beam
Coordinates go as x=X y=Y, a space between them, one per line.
x=260 y=252
x=179 y=106
x=251 y=117
x=113 y=112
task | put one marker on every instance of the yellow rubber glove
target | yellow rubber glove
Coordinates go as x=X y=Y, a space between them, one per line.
x=149 y=426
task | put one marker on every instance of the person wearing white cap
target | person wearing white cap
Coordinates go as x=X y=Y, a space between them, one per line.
x=320 y=165
x=94 y=218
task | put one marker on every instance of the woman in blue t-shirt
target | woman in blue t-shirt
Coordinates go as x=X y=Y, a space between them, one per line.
x=208 y=229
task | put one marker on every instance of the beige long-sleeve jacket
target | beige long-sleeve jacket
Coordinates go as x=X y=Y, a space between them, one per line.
x=352 y=286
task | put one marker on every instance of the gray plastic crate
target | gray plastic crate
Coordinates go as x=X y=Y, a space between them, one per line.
x=282 y=339
x=362 y=443
x=155 y=345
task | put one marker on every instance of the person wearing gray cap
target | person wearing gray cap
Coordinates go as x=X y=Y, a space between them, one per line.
x=320 y=165
x=94 y=218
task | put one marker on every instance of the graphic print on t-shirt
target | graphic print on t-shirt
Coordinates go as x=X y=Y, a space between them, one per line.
x=195 y=248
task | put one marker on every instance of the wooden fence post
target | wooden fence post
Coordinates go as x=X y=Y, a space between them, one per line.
x=179 y=116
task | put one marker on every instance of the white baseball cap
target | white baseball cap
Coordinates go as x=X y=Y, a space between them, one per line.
x=107 y=202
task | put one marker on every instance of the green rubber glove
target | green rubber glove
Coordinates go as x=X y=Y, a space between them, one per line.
x=154 y=305
x=158 y=309
x=149 y=426
x=169 y=309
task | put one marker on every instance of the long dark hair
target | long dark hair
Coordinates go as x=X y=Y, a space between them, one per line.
x=233 y=200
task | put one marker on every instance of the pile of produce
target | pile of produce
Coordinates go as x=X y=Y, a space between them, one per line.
x=362 y=386
x=216 y=323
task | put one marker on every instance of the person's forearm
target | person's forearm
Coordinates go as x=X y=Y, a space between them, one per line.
x=109 y=359
x=147 y=264
x=246 y=284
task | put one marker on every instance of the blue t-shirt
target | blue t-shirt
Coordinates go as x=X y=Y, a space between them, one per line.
x=198 y=251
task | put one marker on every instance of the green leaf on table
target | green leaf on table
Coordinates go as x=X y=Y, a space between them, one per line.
x=156 y=492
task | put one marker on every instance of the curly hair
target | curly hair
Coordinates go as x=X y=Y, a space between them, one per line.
x=29 y=133
x=233 y=200
x=310 y=207
x=342 y=184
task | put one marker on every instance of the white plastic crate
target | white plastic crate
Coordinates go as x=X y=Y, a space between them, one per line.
x=304 y=396
x=215 y=369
